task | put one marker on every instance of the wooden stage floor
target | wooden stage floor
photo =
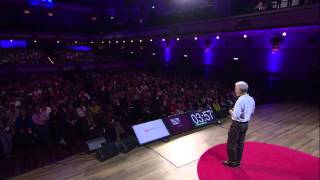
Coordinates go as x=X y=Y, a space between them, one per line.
x=294 y=125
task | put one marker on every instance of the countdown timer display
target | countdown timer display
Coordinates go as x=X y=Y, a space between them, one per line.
x=202 y=118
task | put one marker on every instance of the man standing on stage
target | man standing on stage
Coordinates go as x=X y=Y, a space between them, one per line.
x=240 y=114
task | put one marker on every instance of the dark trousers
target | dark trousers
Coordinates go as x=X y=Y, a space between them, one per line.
x=235 y=144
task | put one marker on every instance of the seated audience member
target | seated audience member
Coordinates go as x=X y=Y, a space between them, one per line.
x=40 y=119
x=6 y=136
x=23 y=130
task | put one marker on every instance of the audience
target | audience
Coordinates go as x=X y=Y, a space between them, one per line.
x=18 y=56
x=46 y=108
x=22 y=56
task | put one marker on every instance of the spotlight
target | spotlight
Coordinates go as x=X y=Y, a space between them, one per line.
x=11 y=40
x=58 y=42
x=284 y=34
x=123 y=41
x=153 y=7
x=195 y=38
x=93 y=18
x=163 y=39
x=140 y=40
x=186 y=55
x=217 y=37
x=91 y=42
x=235 y=59
x=245 y=36
x=76 y=42
x=35 y=41
x=50 y=14
x=153 y=54
x=109 y=42
x=102 y=42
x=117 y=42
x=131 y=52
x=178 y=39
x=111 y=17
x=26 y=11
x=131 y=41
x=151 y=40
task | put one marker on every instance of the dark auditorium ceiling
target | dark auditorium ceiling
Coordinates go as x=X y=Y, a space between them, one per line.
x=99 y=16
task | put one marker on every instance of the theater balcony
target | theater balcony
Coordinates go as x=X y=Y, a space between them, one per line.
x=279 y=18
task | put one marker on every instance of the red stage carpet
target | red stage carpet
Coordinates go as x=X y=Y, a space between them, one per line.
x=260 y=161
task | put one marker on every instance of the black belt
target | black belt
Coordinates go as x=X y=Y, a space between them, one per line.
x=240 y=122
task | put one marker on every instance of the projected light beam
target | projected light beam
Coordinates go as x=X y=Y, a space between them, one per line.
x=207 y=56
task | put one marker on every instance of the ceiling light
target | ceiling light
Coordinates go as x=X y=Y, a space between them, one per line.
x=26 y=11
x=284 y=34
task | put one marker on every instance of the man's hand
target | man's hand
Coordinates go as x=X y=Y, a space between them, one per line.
x=231 y=112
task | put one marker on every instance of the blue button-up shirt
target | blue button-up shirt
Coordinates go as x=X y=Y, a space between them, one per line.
x=243 y=109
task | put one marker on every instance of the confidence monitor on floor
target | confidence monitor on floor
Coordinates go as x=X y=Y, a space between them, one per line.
x=150 y=131
x=179 y=123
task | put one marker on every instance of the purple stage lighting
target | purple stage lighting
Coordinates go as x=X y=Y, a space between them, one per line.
x=207 y=56
x=13 y=43
x=274 y=62
x=80 y=48
x=167 y=54
x=42 y=3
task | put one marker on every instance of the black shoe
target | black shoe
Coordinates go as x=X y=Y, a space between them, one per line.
x=231 y=164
